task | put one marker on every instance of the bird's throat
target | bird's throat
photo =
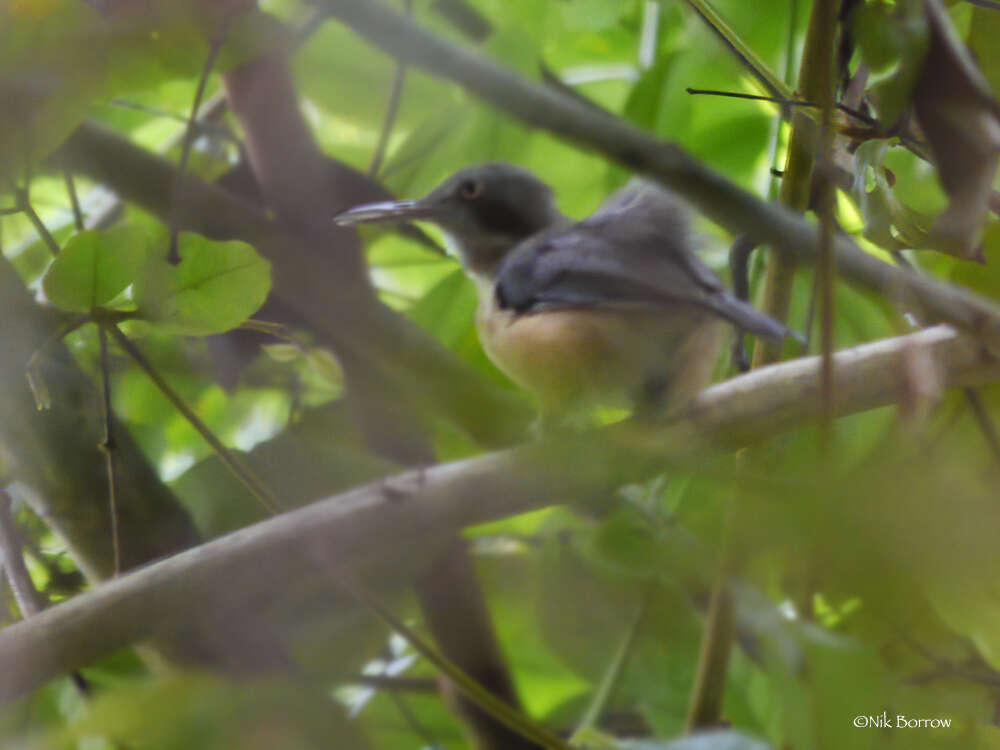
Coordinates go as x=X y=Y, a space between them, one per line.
x=482 y=258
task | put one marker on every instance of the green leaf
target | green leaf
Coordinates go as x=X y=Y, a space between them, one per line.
x=215 y=287
x=95 y=267
x=591 y=15
x=645 y=102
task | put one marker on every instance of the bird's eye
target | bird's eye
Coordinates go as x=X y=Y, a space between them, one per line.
x=470 y=189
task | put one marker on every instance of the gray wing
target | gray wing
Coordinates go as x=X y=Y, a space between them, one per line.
x=632 y=253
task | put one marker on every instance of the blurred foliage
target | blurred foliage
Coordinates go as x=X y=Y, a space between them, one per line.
x=865 y=582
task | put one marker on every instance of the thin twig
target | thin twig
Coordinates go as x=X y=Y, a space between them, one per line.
x=391 y=111
x=202 y=126
x=108 y=447
x=945 y=667
x=229 y=459
x=214 y=46
x=826 y=268
x=74 y=200
x=709 y=687
x=740 y=49
x=951 y=672
x=867 y=119
x=32 y=370
x=599 y=703
x=415 y=157
x=42 y=230
x=796 y=182
x=22 y=197
x=984 y=420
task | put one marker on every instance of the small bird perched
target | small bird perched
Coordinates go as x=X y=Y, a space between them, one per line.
x=613 y=310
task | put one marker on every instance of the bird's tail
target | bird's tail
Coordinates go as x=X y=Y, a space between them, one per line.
x=744 y=316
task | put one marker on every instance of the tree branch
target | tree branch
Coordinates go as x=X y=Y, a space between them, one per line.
x=392 y=531
x=719 y=199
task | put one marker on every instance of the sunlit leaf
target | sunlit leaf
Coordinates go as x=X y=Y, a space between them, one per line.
x=94 y=267
x=215 y=287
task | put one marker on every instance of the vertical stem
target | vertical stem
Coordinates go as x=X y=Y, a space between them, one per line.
x=43 y=231
x=395 y=96
x=797 y=180
x=815 y=84
x=602 y=695
x=214 y=45
x=74 y=200
x=709 y=688
x=22 y=196
x=984 y=420
x=826 y=10
x=108 y=447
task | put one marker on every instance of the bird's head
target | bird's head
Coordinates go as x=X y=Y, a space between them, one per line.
x=486 y=209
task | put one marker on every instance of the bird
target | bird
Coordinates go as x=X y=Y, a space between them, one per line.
x=614 y=311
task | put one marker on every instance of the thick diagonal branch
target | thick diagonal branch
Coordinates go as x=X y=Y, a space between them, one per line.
x=392 y=531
